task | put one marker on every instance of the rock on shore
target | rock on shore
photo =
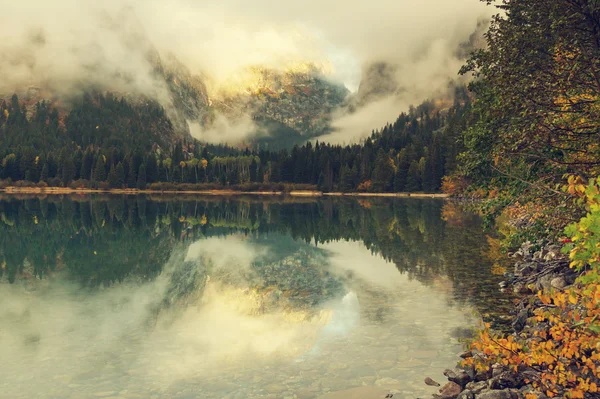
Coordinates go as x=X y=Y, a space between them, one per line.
x=534 y=270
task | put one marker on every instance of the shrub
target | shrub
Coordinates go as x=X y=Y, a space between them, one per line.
x=584 y=248
x=454 y=185
x=24 y=184
x=81 y=183
x=364 y=186
x=561 y=353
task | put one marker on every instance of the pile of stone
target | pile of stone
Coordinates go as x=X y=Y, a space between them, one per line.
x=539 y=270
x=535 y=270
x=466 y=383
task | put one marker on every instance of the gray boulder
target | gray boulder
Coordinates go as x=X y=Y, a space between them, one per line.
x=558 y=283
x=466 y=395
x=459 y=376
x=450 y=391
x=505 y=380
x=477 y=387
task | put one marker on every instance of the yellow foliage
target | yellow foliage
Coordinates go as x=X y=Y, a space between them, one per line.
x=365 y=203
x=498 y=269
x=364 y=186
x=565 y=355
x=452 y=214
x=453 y=185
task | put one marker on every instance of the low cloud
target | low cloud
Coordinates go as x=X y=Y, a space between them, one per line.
x=64 y=46
x=224 y=129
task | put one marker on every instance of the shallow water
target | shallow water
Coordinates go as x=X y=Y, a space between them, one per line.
x=135 y=298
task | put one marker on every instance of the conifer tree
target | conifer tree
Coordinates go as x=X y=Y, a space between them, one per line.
x=68 y=170
x=112 y=177
x=120 y=175
x=44 y=172
x=141 y=182
x=99 y=173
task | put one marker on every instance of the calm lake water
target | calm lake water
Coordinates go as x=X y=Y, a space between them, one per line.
x=136 y=297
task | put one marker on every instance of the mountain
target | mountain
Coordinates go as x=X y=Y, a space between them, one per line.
x=292 y=101
x=288 y=106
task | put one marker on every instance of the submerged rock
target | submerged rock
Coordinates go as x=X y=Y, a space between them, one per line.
x=431 y=382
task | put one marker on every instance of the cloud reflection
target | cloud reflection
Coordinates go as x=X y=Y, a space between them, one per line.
x=82 y=340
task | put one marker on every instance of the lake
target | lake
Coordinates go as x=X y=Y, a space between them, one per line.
x=151 y=297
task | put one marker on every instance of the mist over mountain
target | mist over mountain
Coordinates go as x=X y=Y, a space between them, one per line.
x=236 y=73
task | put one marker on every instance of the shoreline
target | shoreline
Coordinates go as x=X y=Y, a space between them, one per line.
x=223 y=193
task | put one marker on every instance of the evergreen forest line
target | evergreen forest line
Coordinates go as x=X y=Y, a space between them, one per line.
x=106 y=142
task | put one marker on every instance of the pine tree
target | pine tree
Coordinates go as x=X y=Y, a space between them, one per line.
x=68 y=170
x=383 y=173
x=151 y=169
x=141 y=183
x=26 y=163
x=120 y=174
x=99 y=172
x=260 y=176
x=321 y=186
x=44 y=173
x=177 y=155
x=112 y=177
x=427 y=182
x=86 y=166
x=253 y=170
x=347 y=178
x=131 y=175
x=401 y=176
x=176 y=174
x=413 y=182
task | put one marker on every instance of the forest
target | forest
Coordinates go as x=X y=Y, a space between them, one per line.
x=521 y=146
x=106 y=142
x=531 y=160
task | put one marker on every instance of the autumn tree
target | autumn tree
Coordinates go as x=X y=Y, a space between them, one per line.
x=538 y=91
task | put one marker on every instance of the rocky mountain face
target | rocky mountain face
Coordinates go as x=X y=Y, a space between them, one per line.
x=294 y=101
x=299 y=99
x=287 y=107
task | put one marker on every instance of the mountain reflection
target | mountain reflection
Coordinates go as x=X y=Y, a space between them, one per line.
x=99 y=241
x=152 y=296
